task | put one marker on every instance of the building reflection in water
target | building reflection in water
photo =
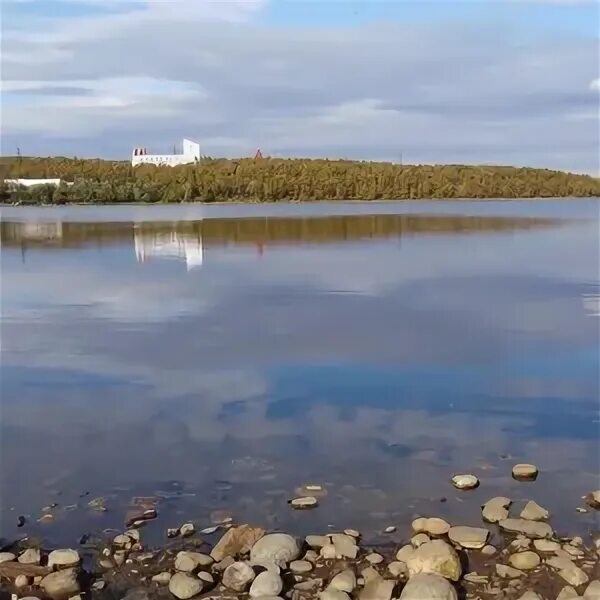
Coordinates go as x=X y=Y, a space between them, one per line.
x=168 y=244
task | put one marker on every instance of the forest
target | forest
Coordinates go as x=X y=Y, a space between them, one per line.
x=95 y=181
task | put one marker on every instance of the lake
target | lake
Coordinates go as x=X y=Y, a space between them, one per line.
x=219 y=357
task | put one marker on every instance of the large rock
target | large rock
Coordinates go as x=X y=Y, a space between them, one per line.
x=237 y=540
x=573 y=575
x=61 y=584
x=184 y=586
x=345 y=545
x=377 y=589
x=7 y=557
x=532 y=529
x=31 y=556
x=534 y=512
x=469 y=537
x=238 y=576
x=279 y=548
x=436 y=557
x=427 y=586
x=567 y=593
x=496 y=509
x=317 y=541
x=266 y=583
x=524 y=560
x=344 y=581
x=63 y=558
x=189 y=561
x=544 y=545
x=593 y=591
x=405 y=553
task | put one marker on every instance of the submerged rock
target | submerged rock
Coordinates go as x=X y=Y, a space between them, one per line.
x=465 y=482
x=534 y=512
x=63 y=558
x=593 y=499
x=525 y=472
x=428 y=586
x=304 y=502
x=532 y=529
x=496 y=509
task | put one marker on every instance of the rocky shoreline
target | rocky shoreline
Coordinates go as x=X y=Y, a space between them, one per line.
x=510 y=554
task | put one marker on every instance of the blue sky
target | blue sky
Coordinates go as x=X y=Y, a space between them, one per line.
x=510 y=82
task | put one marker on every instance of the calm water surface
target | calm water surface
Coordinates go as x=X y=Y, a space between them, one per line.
x=220 y=357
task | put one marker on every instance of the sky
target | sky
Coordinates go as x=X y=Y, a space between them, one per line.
x=478 y=82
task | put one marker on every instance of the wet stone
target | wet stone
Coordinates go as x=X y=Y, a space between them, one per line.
x=534 y=512
x=465 y=482
x=524 y=560
x=184 y=586
x=428 y=586
x=525 y=472
x=300 y=566
x=469 y=537
x=345 y=581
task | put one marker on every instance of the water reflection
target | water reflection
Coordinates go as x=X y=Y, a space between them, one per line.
x=338 y=355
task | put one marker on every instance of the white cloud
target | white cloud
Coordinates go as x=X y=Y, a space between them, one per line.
x=444 y=93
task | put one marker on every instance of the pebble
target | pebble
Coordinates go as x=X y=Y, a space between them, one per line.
x=187 y=529
x=429 y=586
x=206 y=577
x=61 y=583
x=489 y=550
x=419 y=539
x=398 y=568
x=577 y=541
x=534 y=512
x=7 y=557
x=345 y=581
x=389 y=529
x=352 y=532
x=184 y=586
x=544 y=545
x=162 y=578
x=189 y=561
x=507 y=572
x=301 y=566
x=469 y=537
x=266 y=583
x=304 y=502
x=333 y=595
x=432 y=526
x=436 y=557
x=279 y=548
x=525 y=472
x=328 y=552
x=21 y=581
x=532 y=529
x=465 y=482
x=374 y=558
x=31 y=556
x=238 y=576
x=121 y=540
x=318 y=541
x=405 y=553
x=573 y=551
x=475 y=578
x=209 y=530
x=524 y=560
x=63 y=558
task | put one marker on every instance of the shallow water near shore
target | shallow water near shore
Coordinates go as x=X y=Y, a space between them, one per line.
x=217 y=358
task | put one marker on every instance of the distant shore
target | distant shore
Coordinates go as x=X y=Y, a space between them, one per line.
x=277 y=180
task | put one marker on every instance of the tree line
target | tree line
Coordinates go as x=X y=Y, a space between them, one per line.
x=273 y=180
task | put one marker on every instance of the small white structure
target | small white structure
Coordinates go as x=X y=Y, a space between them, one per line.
x=171 y=244
x=31 y=182
x=190 y=154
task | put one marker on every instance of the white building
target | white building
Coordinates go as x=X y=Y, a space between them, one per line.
x=190 y=154
x=182 y=246
x=32 y=182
